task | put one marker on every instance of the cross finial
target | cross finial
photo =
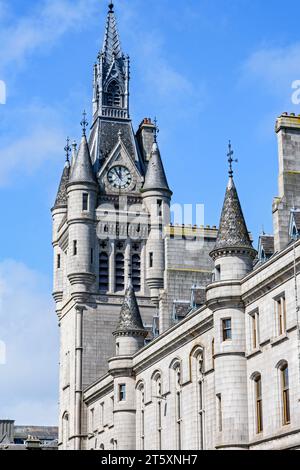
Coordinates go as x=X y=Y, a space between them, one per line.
x=230 y=159
x=68 y=150
x=120 y=133
x=111 y=7
x=84 y=123
x=156 y=130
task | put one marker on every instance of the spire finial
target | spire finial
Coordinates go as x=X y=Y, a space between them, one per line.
x=84 y=124
x=230 y=159
x=68 y=150
x=111 y=7
x=156 y=130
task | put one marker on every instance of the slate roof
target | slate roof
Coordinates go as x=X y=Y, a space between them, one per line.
x=130 y=320
x=233 y=231
x=61 y=197
x=82 y=170
x=181 y=309
x=267 y=243
x=155 y=175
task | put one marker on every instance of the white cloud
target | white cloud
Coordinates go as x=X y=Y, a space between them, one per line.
x=28 y=391
x=46 y=24
x=274 y=67
x=41 y=141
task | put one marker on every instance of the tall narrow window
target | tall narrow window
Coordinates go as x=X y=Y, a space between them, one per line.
x=58 y=262
x=178 y=419
x=280 y=307
x=226 y=329
x=119 y=272
x=213 y=353
x=159 y=207
x=136 y=272
x=103 y=272
x=258 y=401
x=285 y=392
x=142 y=391
x=122 y=392
x=85 y=202
x=101 y=415
x=220 y=412
x=150 y=260
x=178 y=411
x=112 y=407
x=92 y=424
x=159 y=412
x=217 y=273
x=74 y=247
x=254 y=320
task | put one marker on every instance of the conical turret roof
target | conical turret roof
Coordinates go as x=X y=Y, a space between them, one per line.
x=82 y=170
x=61 y=197
x=130 y=320
x=155 y=176
x=233 y=232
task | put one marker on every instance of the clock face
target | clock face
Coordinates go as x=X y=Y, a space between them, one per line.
x=119 y=177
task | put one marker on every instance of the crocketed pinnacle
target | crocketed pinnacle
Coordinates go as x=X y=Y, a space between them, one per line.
x=111 y=45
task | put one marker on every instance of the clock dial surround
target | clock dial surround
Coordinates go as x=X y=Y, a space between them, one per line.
x=119 y=177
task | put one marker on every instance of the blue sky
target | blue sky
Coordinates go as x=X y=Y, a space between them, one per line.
x=210 y=70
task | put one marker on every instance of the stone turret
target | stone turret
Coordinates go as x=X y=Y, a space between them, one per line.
x=130 y=332
x=233 y=253
x=156 y=197
x=130 y=335
x=59 y=212
x=233 y=256
x=82 y=198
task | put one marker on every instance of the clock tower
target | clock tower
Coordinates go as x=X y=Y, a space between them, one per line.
x=112 y=204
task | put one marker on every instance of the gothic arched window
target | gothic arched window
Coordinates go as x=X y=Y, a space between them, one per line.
x=119 y=272
x=113 y=95
x=103 y=272
x=136 y=272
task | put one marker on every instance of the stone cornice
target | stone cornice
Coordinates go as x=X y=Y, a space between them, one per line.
x=268 y=284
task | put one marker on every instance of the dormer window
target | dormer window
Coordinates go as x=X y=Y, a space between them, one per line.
x=294 y=228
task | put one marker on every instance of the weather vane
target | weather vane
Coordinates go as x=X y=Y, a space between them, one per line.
x=156 y=131
x=84 y=123
x=68 y=150
x=111 y=7
x=230 y=159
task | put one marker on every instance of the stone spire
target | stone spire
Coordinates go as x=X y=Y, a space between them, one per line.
x=130 y=321
x=82 y=170
x=233 y=233
x=155 y=175
x=111 y=45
